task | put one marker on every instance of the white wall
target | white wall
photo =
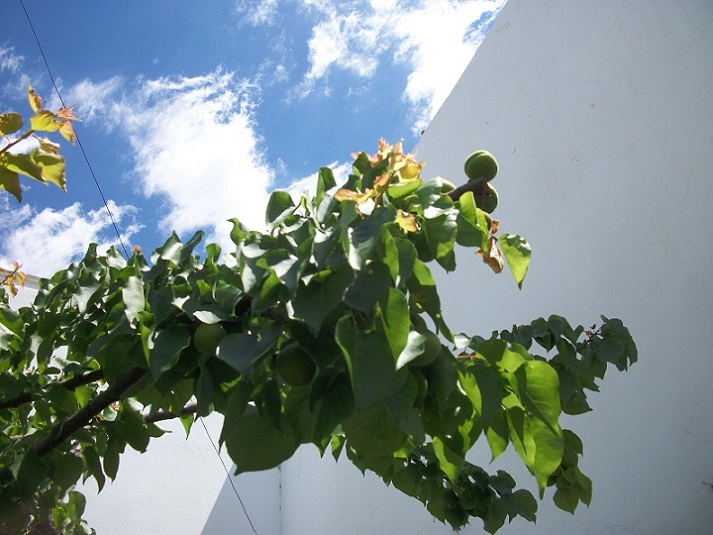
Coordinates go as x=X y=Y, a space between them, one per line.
x=601 y=116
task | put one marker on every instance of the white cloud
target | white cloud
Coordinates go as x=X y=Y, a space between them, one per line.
x=9 y=61
x=195 y=147
x=47 y=241
x=93 y=99
x=434 y=38
x=263 y=12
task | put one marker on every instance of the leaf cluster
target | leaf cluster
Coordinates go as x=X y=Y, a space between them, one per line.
x=326 y=329
x=42 y=161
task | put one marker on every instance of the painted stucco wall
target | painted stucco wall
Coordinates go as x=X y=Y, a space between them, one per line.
x=601 y=117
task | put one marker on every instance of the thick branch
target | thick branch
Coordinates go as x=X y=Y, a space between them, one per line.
x=476 y=186
x=84 y=415
x=69 y=384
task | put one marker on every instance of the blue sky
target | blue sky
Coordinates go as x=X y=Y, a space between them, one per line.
x=192 y=112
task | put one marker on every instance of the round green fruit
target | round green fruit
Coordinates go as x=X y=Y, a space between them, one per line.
x=294 y=365
x=208 y=336
x=431 y=350
x=481 y=164
x=487 y=200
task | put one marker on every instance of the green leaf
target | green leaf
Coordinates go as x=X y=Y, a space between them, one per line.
x=484 y=390
x=369 y=361
x=517 y=254
x=254 y=443
x=133 y=296
x=472 y=224
x=31 y=473
x=370 y=285
x=279 y=206
x=372 y=432
x=325 y=182
x=394 y=317
x=92 y=465
x=366 y=235
x=449 y=461
x=324 y=292
x=10 y=123
x=10 y=182
x=167 y=346
x=240 y=350
x=397 y=192
x=441 y=236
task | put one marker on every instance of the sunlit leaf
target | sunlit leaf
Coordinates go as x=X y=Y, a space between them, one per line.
x=517 y=254
x=33 y=98
x=10 y=182
x=44 y=121
x=10 y=123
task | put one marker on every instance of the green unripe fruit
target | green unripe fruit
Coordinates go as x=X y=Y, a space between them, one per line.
x=431 y=350
x=294 y=365
x=487 y=200
x=208 y=336
x=481 y=164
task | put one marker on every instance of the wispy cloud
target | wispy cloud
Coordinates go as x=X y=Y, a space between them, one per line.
x=435 y=39
x=194 y=146
x=9 y=61
x=47 y=241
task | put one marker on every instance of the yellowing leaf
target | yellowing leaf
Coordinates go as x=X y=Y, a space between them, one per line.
x=493 y=257
x=44 y=121
x=52 y=166
x=406 y=221
x=34 y=99
x=345 y=195
x=67 y=130
x=67 y=113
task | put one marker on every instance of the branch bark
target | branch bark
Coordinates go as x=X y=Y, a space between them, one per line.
x=160 y=416
x=477 y=186
x=84 y=415
x=69 y=384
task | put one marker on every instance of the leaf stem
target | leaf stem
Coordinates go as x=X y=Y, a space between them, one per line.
x=13 y=143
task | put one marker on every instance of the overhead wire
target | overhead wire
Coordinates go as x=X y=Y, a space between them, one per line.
x=121 y=242
x=79 y=143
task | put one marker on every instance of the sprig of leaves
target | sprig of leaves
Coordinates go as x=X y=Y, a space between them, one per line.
x=42 y=162
x=338 y=293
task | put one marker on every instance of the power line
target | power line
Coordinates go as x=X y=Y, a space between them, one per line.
x=116 y=229
x=79 y=143
x=227 y=472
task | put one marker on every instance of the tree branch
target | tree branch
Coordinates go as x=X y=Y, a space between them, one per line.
x=477 y=186
x=83 y=416
x=160 y=416
x=70 y=384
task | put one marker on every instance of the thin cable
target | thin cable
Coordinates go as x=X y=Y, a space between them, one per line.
x=79 y=143
x=229 y=478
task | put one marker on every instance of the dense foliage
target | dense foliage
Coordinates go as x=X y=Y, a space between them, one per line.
x=325 y=329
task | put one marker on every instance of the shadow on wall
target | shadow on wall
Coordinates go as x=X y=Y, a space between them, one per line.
x=246 y=511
